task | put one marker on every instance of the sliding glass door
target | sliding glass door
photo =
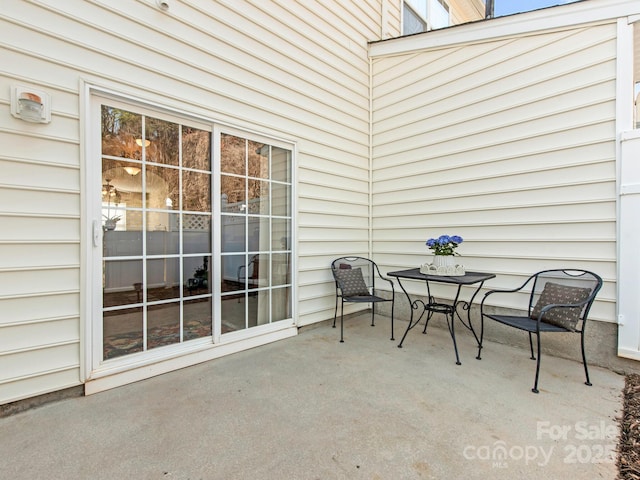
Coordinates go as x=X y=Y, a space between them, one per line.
x=255 y=206
x=195 y=232
x=157 y=232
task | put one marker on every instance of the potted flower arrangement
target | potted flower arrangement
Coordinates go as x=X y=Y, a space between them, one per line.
x=444 y=248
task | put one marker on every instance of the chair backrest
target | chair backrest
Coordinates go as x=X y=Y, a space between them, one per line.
x=366 y=266
x=248 y=270
x=568 y=286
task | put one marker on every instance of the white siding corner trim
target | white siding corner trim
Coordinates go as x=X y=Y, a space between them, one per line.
x=628 y=314
x=629 y=239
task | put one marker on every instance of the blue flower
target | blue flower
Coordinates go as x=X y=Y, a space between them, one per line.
x=444 y=244
x=443 y=240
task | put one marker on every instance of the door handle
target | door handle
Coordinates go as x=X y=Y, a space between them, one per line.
x=96 y=227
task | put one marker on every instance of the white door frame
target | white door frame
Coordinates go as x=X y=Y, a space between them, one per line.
x=99 y=377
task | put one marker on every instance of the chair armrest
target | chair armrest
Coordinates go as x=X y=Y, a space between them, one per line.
x=393 y=290
x=507 y=291
x=551 y=306
x=491 y=292
x=512 y=290
x=390 y=283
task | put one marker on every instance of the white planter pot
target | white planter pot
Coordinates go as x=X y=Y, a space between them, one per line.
x=443 y=261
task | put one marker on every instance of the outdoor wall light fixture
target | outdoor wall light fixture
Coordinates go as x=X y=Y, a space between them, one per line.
x=30 y=105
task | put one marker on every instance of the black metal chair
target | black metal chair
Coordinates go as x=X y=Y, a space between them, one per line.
x=248 y=275
x=355 y=279
x=558 y=302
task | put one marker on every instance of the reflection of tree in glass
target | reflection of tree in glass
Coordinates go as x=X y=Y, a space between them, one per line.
x=163 y=141
x=196 y=148
x=237 y=154
x=258 y=159
x=119 y=132
x=233 y=154
x=197 y=191
x=196 y=153
x=233 y=188
x=232 y=160
x=122 y=137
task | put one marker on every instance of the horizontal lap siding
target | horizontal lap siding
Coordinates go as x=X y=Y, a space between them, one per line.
x=296 y=70
x=39 y=239
x=508 y=143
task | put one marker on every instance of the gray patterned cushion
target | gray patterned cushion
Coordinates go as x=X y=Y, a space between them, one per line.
x=554 y=293
x=351 y=282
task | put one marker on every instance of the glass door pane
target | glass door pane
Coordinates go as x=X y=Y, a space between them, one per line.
x=157 y=231
x=255 y=184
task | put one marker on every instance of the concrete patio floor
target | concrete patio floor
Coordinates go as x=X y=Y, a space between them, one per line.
x=311 y=408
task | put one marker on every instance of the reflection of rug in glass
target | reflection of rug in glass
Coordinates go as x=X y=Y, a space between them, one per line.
x=131 y=342
x=118 y=345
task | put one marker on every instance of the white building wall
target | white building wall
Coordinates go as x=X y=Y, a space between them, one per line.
x=295 y=70
x=508 y=142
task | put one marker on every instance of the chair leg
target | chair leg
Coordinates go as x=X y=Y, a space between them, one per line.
x=335 y=313
x=373 y=312
x=584 y=358
x=535 y=384
x=531 y=346
x=342 y=322
x=478 y=357
x=392 y=320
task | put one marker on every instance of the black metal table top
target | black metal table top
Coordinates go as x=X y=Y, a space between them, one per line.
x=468 y=278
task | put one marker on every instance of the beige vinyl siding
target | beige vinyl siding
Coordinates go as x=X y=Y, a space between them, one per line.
x=39 y=251
x=391 y=18
x=509 y=143
x=294 y=70
x=466 y=11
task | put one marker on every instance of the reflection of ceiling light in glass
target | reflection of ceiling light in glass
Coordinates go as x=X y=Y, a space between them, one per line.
x=132 y=170
x=146 y=142
x=107 y=189
x=169 y=202
x=111 y=192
